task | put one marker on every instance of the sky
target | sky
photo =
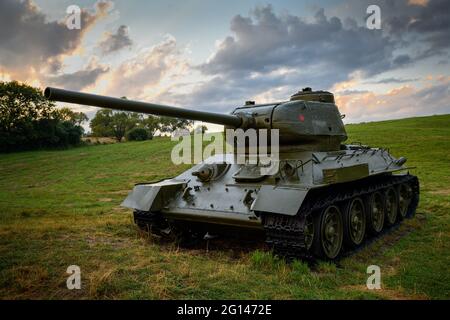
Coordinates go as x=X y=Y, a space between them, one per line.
x=214 y=55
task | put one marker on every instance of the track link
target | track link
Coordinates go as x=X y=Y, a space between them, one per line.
x=148 y=221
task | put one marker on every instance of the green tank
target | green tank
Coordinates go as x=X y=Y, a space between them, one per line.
x=324 y=199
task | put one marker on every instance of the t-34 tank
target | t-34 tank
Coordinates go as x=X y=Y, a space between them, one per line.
x=325 y=198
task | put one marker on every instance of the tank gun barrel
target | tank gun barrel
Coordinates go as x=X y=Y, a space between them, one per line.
x=87 y=99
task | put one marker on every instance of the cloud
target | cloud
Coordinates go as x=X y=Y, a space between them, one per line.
x=394 y=80
x=113 y=42
x=400 y=102
x=141 y=75
x=429 y=21
x=266 y=41
x=421 y=26
x=271 y=56
x=401 y=60
x=31 y=44
x=79 y=79
x=266 y=57
x=351 y=92
x=422 y=3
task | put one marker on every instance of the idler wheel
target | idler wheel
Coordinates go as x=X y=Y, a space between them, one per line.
x=405 y=194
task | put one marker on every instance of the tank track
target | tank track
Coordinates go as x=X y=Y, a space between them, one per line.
x=148 y=221
x=285 y=234
x=155 y=224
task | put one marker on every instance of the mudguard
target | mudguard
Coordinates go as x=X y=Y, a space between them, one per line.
x=282 y=200
x=152 y=197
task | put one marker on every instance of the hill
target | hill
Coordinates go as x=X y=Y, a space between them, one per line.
x=61 y=208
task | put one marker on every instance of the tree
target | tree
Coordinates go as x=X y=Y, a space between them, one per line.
x=171 y=124
x=138 y=134
x=107 y=123
x=20 y=106
x=123 y=122
x=77 y=118
x=29 y=121
x=151 y=124
x=101 y=124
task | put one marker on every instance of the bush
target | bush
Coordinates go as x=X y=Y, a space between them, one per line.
x=138 y=134
x=29 y=121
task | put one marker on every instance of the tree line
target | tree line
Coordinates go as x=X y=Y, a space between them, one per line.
x=133 y=126
x=29 y=121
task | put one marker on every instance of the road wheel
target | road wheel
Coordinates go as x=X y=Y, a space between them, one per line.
x=405 y=194
x=375 y=213
x=354 y=222
x=329 y=233
x=391 y=206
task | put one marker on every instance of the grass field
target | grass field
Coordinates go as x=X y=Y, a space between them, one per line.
x=61 y=208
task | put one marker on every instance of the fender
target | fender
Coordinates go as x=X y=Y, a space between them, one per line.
x=288 y=199
x=152 y=197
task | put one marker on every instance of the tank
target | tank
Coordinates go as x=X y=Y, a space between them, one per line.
x=324 y=199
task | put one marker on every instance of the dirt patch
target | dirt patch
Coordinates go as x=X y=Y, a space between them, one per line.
x=391 y=237
x=33 y=213
x=102 y=240
x=99 y=140
x=442 y=192
x=120 y=192
x=102 y=175
x=385 y=293
x=27 y=279
x=235 y=248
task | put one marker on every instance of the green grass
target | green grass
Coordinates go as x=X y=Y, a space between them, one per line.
x=59 y=208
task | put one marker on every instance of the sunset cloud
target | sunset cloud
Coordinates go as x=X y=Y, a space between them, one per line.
x=142 y=75
x=36 y=45
x=396 y=103
x=422 y=3
x=113 y=42
x=266 y=41
x=80 y=79
x=264 y=53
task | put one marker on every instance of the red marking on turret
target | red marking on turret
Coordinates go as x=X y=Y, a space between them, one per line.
x=301 y=117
